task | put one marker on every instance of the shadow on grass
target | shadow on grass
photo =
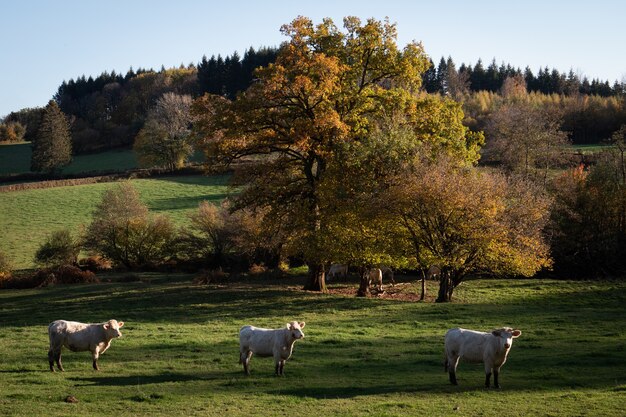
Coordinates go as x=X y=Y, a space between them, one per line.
x=132 y=380
x=181 y=203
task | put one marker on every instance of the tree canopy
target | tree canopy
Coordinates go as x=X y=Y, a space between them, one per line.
x=327 y=87
x=52 y=148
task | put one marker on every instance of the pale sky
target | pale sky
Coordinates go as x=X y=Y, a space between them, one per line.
x=43 y=43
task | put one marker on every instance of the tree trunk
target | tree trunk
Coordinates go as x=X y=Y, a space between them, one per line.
x=445 y=287
x=317 y=278
x=423 y=294
x=364 y=287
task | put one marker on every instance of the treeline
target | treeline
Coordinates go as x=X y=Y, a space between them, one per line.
x=445 y=76
x=108 y=111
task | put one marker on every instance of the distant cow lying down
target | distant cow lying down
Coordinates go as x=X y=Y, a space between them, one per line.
x=268 y=342
x=79 y=337
x=472 y=346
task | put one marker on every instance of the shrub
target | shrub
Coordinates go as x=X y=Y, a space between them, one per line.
x=94 y=264
x=123 y=231
x=59 y=249
x=64 y=274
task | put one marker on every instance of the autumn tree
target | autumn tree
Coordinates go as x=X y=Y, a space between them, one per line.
x=12 y=132
x=589 y=219
x=60 y=248
x=165 y=139
x=123 y=230
x=468 y=221
x=325 y=89
x=526 y=138
x=52 y=148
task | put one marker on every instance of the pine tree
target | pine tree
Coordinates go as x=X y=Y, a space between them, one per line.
x=52 y=148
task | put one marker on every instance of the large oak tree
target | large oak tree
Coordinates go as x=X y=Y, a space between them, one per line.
x=327 y=88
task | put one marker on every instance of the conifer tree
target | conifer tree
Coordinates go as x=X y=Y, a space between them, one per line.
x=52 y=148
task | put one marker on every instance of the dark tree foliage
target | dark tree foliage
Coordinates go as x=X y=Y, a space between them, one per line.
x=231 y=75
x=52 y=148
x=547 y=81
x=30 y=118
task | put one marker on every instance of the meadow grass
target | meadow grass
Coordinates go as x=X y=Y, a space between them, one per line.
x=15 y=159
x=360 y=356
x=28 y=217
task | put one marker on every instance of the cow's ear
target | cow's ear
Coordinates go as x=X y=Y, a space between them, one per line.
x=106 y=326
x=496 y=333
x=302 y=324
x=120 y=323
x=289 y=326
x=517 y=333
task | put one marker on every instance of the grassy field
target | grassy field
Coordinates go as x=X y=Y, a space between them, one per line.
x=379 y=357
x=27 y=217
x=15 y=159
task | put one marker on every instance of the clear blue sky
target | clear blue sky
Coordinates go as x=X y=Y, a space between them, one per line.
x=43 y=43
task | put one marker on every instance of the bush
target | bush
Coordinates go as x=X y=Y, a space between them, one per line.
x=64 y=274
x=59 y=249
x=95 y=264
x=123 y=231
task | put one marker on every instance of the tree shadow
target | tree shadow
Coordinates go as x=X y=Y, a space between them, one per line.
x=132 y=380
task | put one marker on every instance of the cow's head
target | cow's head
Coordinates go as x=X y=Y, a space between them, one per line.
x=506 y=335
x=112 y=328
x=296 y=329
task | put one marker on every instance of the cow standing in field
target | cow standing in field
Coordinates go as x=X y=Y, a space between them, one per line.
x=489 y=348
x=375 y=278
x=337 y=270
x=388 y=274
x=79 y=337
x=268 y=342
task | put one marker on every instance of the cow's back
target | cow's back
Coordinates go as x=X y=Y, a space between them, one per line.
x=258 y=340
x=74 y=335
x=469 y=344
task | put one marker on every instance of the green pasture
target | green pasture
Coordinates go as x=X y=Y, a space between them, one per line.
x=15 y=159
x=361 y=356
x=28 y=217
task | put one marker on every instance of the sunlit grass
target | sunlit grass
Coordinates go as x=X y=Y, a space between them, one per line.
x=28 y=217
x=179 y=352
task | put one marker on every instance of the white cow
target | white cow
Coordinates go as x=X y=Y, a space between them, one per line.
x=337 y=270
x=489 y=348
x=433 y=272
x=79 y=337
x=269 y=342
x=388 y=274
x=375 y=278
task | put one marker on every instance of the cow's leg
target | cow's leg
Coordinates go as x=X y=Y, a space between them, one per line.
x=452 y=363
x=281 y=368
x=496 y=372
x=245 y=359
x=51 y=357
x=95 y=354
x=58 y=361
x=488 y=368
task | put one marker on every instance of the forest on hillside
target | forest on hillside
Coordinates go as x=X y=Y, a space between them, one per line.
x=109 y=110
